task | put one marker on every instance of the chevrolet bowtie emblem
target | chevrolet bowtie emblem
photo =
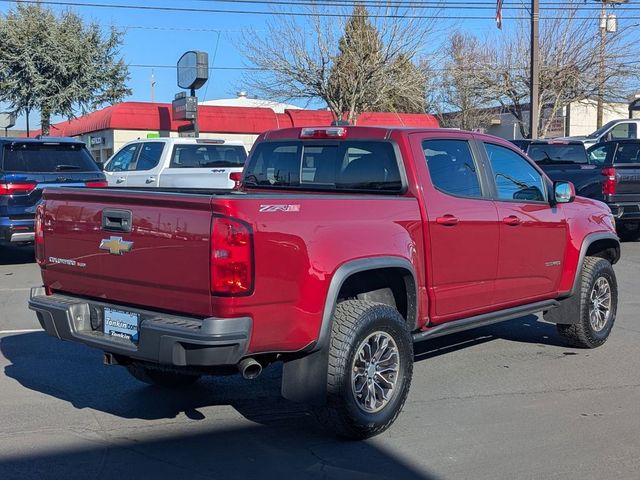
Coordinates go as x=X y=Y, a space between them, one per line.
x=115 y=245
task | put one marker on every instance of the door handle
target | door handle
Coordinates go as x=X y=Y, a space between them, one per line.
x=150 y=180
x=120 y=180
x=447 y=220
x=512 y=220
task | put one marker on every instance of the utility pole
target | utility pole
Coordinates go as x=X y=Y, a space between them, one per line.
x=534 y=99
x=153 y=86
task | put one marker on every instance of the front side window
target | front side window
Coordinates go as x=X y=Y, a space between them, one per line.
x=451 y=167
x=123 y=160
x=514 y=176
x=149 y=156
x=601 y=154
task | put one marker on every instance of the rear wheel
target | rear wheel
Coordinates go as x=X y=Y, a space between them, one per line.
x=369 y=371
x=161 y=378
x=598 y=305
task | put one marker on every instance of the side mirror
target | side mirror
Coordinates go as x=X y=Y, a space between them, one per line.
x=564 y=192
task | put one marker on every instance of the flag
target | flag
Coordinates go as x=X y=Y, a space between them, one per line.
x=499 y=14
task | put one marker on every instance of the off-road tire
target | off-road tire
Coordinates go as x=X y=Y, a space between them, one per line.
x=161 y=378
x=582 y=334
x=353 y=322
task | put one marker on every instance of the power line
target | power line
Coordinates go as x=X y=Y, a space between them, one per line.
x=287 y=13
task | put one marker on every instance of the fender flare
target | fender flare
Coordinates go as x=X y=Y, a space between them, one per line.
x=304 y=379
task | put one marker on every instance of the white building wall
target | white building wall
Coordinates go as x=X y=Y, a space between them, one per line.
x=583 y=115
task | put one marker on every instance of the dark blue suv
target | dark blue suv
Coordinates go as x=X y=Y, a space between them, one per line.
x=27 y=166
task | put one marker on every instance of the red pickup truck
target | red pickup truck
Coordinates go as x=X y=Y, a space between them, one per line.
x=342 y=247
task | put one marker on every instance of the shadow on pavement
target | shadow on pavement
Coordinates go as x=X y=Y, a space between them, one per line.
x=16 y=255
x=286 y=442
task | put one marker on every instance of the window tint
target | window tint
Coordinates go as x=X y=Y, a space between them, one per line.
x=344 y=165
x=601 y=154
x=515 y=178
x=557 y=153
x=123 y=160
x=208 y=156
x=628 y=153
x=149 y=155
x=623 y=131
x=451 y=167
x=37 y=157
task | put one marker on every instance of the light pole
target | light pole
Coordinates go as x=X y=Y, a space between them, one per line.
x=534 y=99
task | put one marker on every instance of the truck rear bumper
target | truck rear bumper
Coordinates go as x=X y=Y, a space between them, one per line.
x=163 y=338
x=625 y=211
x=16 y=231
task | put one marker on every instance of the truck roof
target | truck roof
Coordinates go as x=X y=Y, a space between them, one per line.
x=189 y=140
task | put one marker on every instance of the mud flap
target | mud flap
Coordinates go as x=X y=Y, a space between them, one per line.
x=304 y=379
x=567 y=313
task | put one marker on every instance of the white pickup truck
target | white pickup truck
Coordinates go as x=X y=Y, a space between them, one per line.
x=176 y=162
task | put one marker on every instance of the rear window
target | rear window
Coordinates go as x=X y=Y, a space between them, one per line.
x=557 y=153
x=627 y=153
x=208 y=156
x=345 y=165
x=38 y=157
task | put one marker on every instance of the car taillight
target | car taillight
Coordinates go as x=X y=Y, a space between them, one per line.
x=13 y=188
x=231 y=257
x=39 y=234
x=236 y=178
x=97 y=184
x=609 y=184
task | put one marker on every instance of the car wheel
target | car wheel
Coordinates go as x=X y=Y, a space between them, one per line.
x=369 y=371
x=598 y=305
x=161 y=378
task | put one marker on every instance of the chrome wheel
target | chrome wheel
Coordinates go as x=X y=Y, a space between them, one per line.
x=600 y=304
x=374 y=372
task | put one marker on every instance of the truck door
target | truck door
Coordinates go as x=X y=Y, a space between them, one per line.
x=117 y=168
x=461 y=228
x=533 y=234
x=147 y=167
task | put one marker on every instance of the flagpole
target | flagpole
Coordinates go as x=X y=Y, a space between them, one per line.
x=535 y=71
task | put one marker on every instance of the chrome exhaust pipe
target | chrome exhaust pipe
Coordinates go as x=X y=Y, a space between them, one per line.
x=249 y=368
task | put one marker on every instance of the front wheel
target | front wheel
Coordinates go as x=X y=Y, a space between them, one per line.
x=369 y=371
x=598 y=305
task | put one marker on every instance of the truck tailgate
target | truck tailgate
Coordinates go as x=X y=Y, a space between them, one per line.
x=166 y=267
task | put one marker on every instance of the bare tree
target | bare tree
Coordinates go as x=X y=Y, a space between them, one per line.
x=354 y=61
x=569 y=59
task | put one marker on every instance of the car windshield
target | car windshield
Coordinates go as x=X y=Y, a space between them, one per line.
x=602 y=129
x=347 y=165
x=47 y=157
x=557 y=153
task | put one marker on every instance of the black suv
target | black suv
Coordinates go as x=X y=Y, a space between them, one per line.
x=28 y=165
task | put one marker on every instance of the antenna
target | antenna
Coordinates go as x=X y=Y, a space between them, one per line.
x=153 y=86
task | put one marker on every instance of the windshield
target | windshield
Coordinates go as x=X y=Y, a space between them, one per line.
x=557 y=153
x=602 y=129
x=35 y=157
x=344 y=165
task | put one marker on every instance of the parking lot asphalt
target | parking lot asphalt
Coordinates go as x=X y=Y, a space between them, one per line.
x=507 y=401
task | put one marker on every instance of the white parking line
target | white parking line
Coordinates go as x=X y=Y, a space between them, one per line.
x=25 y=330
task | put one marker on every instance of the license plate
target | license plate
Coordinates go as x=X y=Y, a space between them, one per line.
x=121 y=324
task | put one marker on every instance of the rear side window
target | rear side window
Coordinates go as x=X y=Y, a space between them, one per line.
x=451 y=167
x=208 y=156
x=37 y=157
x=344 y=165
x=601 y=154
x=557 y=153
x=149 y=156
x=627 y=153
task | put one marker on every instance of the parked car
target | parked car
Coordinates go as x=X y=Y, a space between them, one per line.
x=344 y=247
x=176 y=162
x=27 y=165
x=622 y=129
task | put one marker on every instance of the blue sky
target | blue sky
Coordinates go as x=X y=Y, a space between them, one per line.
x=150 y=40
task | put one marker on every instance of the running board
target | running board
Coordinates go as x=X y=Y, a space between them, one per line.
x=456 y=326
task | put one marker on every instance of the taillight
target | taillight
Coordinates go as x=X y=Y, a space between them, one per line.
x=39 y=234
x=97 y=184
x=236 y=178
x=609 y=184
x=13 y=188
x=231 y=257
